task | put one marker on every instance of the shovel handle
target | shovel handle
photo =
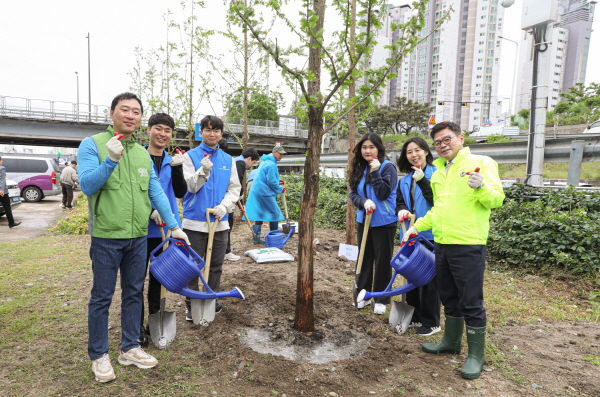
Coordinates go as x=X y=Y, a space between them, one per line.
x=163 y=290
x=412 y=222
x=287 y=217
x=211 y=235
x=363 y=243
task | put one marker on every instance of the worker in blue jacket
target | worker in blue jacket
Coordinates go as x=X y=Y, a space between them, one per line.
x=261 y=205
x=415 y=197
x=169 y=171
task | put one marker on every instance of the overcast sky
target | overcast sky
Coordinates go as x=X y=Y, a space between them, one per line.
x=43 y=43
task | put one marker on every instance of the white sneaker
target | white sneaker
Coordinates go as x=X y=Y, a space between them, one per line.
x=102 y=369
x=379 y=308
x=362 y=304
x=232 y=257
x=137 y=357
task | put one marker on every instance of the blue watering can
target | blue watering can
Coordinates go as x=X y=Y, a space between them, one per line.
x=178 y=265
x=276 y=239
x=414 y=262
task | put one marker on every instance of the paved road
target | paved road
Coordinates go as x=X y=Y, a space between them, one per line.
x=35 y=218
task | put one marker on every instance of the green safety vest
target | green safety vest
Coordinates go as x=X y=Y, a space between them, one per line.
x=121 y=208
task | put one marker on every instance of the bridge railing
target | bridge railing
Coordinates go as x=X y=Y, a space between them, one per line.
x=42 y=109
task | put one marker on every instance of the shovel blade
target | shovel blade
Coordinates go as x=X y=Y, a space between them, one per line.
x=203 y=311
x=163 y=328
x=400 y=316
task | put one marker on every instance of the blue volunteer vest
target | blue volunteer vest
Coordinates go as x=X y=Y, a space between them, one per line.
x=214 y=189
x=164 y=177
x=421 y=205
x=384 y=213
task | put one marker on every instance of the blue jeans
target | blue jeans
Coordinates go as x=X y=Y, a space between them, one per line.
x=108 y=257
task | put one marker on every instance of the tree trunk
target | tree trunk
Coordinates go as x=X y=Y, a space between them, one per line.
x=350 y=211
x=245 y=111
x=305 y=318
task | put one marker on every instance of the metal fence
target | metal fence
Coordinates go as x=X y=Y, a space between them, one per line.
x=41 y=109
x=555 y=151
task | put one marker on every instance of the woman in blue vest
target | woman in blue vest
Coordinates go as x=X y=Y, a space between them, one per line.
x=416 y=197
x=373 y=188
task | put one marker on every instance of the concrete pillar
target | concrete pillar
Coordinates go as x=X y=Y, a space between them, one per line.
x=575 y=160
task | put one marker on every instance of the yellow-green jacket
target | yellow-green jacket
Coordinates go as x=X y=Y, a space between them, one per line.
x=460 y=214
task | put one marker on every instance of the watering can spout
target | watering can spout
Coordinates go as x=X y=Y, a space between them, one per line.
x=234 y=293
x=365 y=295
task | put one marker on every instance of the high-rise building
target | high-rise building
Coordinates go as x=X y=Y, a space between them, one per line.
x=455 y=69
x=569 y=45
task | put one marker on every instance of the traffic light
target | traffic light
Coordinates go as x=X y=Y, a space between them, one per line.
x=441 y=103
x=464 y=104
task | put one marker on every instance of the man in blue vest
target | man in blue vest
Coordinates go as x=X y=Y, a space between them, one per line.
x=169 y=171
x=212 y=182
x=242 y=162
x=116 y=174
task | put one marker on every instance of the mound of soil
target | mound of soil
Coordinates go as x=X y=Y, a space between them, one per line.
x=245 y=348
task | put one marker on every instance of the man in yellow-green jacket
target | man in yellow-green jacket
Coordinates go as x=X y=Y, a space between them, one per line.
x=465 y=187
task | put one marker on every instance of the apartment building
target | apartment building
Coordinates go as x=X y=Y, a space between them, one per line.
x=569 y=47
x=455 y=69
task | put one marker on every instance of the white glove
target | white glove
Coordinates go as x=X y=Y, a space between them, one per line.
x=220 y=211
x=180 y=234
x=403 y=215
x=369 y=206
x=206 y=165
x=411 y=230
x=177 y=160
x=418 y=174
x=374 y=164
x=475 y=180
x=155 y=216
x=115 y=149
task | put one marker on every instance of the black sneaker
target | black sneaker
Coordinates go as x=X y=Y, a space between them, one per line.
x=218 y=308
x=188 y=315
x=143 y=338
x=426 y=331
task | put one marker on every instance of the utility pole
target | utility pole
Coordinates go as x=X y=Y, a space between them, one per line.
x=89 y=82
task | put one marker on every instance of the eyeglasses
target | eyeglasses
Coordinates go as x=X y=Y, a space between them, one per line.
x=445 y=140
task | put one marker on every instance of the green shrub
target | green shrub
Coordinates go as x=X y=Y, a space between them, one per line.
x=541 y=230
x=497 y=138
x=332 y=202
x=75 y=221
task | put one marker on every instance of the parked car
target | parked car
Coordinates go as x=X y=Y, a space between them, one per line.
x=13 y=192
x=593 y=128
x=37 y=177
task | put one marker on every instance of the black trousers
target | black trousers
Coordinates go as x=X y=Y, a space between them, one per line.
x=153 y=284
x=460 y=270
x=5 y=200
x=230 y=220
x=426 y=301
x=199 y=241
x=376 y=271
x=67 y=192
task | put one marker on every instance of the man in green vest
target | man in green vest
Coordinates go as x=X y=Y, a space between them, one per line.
x=117 y=175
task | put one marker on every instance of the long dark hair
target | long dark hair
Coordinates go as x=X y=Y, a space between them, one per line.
x=403 y=163
x=359 y=164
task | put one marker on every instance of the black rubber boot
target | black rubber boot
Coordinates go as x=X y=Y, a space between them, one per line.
x=257 y=231
x=475 y=360
x=451 y=342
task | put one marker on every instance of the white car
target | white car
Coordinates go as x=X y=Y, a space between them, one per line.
x=13 y=192
x=593 y=128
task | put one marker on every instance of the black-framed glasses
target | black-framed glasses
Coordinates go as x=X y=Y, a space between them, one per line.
x=445 y=140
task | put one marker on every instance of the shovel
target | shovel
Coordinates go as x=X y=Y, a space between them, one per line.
x=360 y=258
x=162 y=325
x=401 y=312
x=285 y=228
x=203 y=310
x=241 y=207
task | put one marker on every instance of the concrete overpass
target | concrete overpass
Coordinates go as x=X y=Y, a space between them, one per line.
x=58 y=124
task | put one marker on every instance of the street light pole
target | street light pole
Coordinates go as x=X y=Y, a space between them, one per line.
x=77 y=74
x=513 y=97
x=89 y=81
